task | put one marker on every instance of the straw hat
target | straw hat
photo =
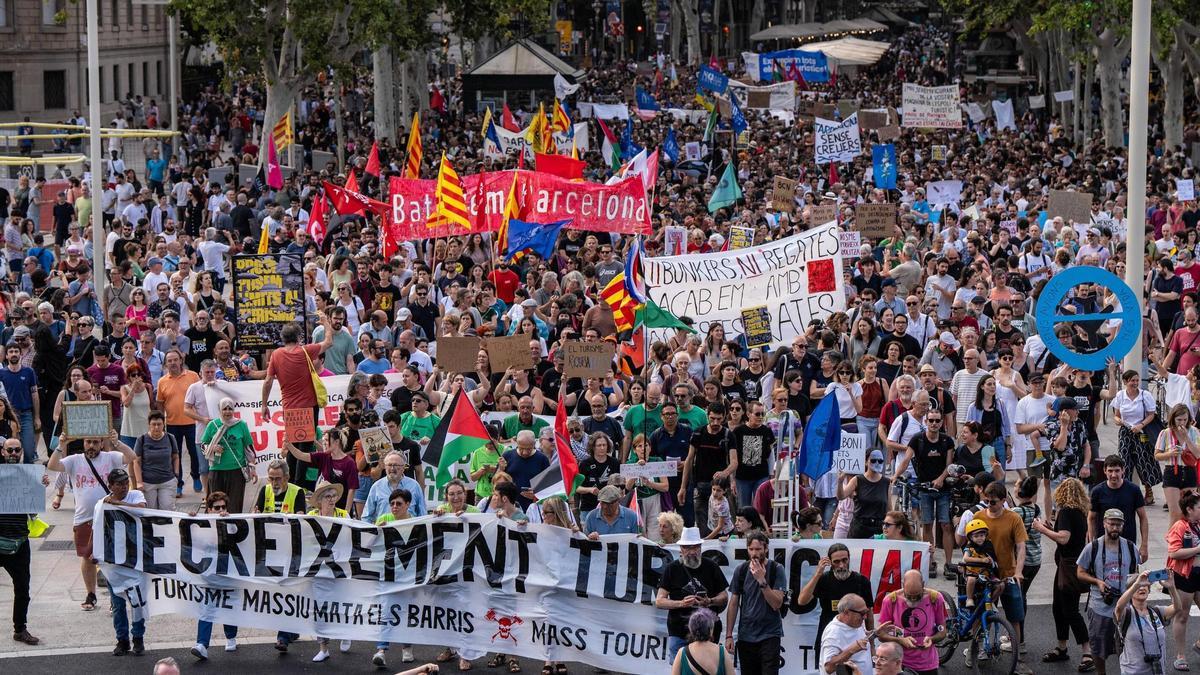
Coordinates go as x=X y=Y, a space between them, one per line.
x=322 y=487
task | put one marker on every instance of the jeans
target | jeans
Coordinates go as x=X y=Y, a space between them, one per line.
x=999 y=445
x=286 y=638
x=870 y=427
x=204 y=632
x=127 y=440
x=17 y=565
x=28 y=435
x=674 y=644
x=746 y=489
x=828 y=506
x=160 y=496
x=120 y=618
x=185 y=434
x=758 y=658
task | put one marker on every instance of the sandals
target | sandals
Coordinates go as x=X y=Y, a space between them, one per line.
x=89 y=603
x=547 y=669
x=1086 y=664
x=560 y=669
x=1181 y=664
x=497 y=661
x=446 y=655
x=1055 y=655
x=463 y=665
x=514 y=666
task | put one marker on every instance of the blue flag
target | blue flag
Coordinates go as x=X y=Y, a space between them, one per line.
x=883 y=158
x=711 y=79
x=644 y=100
x=628 y=147
x=670 y=146
x=736 y=118
x=822 y=438
x=537 y=237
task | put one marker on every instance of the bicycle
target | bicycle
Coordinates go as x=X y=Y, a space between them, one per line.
x=982 y=628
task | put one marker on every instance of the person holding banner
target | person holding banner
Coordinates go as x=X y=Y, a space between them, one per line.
x=292 y=365
x=15 y=556
x=215 y=503
x=230 y=450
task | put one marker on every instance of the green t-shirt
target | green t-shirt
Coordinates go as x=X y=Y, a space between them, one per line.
x=335 y=357
x=513 y=424
x=417 y=428
x=480 y=458
x=644 y=492
x=385 y=519
x=694 y=416
x=235 y=441
x=639 y=421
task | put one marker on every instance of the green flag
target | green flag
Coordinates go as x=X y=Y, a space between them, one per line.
x=653 y=316
x=727 y=192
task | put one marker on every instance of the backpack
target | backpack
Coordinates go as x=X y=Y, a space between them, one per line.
x=1127 y=621
x=1099 y=543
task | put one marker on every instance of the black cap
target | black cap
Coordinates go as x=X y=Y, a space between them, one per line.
x=118 y=475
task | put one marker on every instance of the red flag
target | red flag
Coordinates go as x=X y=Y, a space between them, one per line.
x=631 y=503
x=318 y=220
x=559 y=165
x=796 y=76
x=833 y=175
x=832 y=76
x=520 y=159
x=373 y=160
x=352 y=181
x=714 y=63
x=437 y=101
x=346 y=201
x=507 y=120
x=274 y=173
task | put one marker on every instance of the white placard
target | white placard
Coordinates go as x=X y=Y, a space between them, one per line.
x=942 y=192
x=836 y=141
x=1037 y=102
x=852 y=455
x=1005 y=117
x=21 y=489
x=675 y=240
x=851 y=244
x=668 y=468
x=692 y=151
x=931 y=107
x=1064 y=96
x=1185 y=189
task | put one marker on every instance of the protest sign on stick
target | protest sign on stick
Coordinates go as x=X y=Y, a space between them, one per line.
x=875 y=221
x=932 y=107
x=87 y=419
x=587 y=359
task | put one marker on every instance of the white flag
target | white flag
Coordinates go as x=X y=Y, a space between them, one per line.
x=562 y=88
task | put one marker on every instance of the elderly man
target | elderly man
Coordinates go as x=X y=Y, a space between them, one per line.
x=394 y=465
x=688 y=582
x=888 y=659
x=921 y=615
x=844 y=640
x=832 y=580
x=524 y=463
x=524 y=420
x=600 y=423
x=610 y=517
x=279 y=495
x=15 y=527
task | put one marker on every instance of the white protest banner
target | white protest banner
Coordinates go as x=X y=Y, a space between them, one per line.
x=850 y=457
x=836 y=141
x=778 y=96
x=931 y=107
x=1064 y=95
x=1005 y=118
x=1185 y=189
x=943 y=192
x=851 y=244
x=1037 y=102
x=675 y=240
x=21 y=489
x=605 y=111
x=476 y=582
x=515 y=141
x=268 y=434
x=975 y=112
x=799 y=278
x=669 y=467
x=687 y=114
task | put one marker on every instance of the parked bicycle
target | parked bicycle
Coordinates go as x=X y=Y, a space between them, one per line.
x=981 y=628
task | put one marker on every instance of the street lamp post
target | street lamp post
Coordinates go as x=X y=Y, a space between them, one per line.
x=1139 y=85
x=97 y=159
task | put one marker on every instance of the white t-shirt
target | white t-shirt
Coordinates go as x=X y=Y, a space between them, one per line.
x=88 y=491
x=837 y=637
x=1133 y=410
x=214 y=257
x=196 y=396
x=1031 y=410
x=125 y=195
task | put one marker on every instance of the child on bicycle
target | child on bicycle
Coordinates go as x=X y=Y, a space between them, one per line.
x=979 y=557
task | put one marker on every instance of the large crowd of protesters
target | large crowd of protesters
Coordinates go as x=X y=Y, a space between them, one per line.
x=981 y=442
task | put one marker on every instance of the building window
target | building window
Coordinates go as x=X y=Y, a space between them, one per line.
x=116 y=15
x=130 y=84
x=146 y=78
x=51 y=10
x=8 y=101
x=129 y=12
x=116 y=83
x=54 y=87
x=4 y=13
x=158 y=77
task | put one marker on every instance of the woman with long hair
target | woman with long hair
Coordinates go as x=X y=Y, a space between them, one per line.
x=1069 y=533
x=1010 y=388
x=994 y=424
x=714 y=338
x=1179 y=446
x=356 y=312
x=137 y=313
x=203 y=294
x=889 y=367
x=863 y=340
x=1183 y=559
x=649 y=490
x=137 y=403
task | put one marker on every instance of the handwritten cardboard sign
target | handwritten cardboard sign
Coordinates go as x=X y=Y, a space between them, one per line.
x=457 y=354
x=1075 y=207
x=1185 y=189
x=850 y=457
x=21 y=489
x=846 y=107
x=666 y=469
x=298 y=426
x=875 y=220
x=889 y=133
x=376 y=443
x=821 y=214
x=757 y=324
x=87 y=419
x=587 y=359
x=509 y=352
x=783 y=194
x=871 y=120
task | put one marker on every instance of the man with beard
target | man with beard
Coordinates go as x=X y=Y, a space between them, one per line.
x=21 y=386
x=1103 y=564
x=759 y=589
x=831 y=582
x=15 y=527
x=688 y=582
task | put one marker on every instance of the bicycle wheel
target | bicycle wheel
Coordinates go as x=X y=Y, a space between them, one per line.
x=992 y=658
x=946 y=645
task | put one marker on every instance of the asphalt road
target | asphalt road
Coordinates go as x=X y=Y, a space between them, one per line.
x=262 y=659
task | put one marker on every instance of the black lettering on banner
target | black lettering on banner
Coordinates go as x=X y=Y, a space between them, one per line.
x=800 y=557
x=230 y=533
x=584 y=571
x=151 y=544
x=129 y=526
x=654 y=562
x=263 y=545
x=401 y=550
x=186 y=546
x=358 y=552
x=611 y=572
x=326 y=540
x=492 y=558
x=523 y=539
x=297 y=546
x=440 y=553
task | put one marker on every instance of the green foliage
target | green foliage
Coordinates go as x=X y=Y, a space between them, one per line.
x=474 y=19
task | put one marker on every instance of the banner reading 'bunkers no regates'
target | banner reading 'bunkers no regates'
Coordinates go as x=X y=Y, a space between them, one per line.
x=476 y=582
x=799 y=279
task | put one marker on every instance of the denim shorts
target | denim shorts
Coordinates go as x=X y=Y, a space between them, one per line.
x=364 y=488
x=1013 y=601
x=934 y=506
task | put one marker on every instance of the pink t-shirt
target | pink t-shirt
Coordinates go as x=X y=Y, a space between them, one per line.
x=917 y=623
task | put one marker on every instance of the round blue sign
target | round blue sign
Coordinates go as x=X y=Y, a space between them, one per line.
x=1056 y=290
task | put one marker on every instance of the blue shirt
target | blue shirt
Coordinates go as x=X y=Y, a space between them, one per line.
x=377 y=498
x=155 y=168
x=20 y=386
x=374 y=367
x=626 y=523
x=523 y=470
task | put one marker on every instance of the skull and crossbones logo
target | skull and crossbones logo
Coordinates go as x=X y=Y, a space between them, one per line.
x=505 y=625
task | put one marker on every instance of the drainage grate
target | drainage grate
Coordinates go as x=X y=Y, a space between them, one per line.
x=57 y=546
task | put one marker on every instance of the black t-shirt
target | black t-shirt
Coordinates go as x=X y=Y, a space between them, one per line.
x=595 y=475
x=829 y=591
x=929 y=457
x=1128 y=498
x=386 y=298
x=712 y=453
x=425 y=317
x=733 y=392
x=754 y=448
x=972 y=462
x=680 y=582
x=412 y=451
x=1085 y=399
x=1074 y=521
x=203 y=343
x=402 y=398
x=875 y=283
x=1173 y=285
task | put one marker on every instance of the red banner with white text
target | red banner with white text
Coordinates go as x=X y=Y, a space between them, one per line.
x=543 y=198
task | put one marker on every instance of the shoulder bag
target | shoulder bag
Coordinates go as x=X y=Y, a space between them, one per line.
x=318 y=386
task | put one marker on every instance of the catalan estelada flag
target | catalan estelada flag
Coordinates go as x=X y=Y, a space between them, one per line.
x=451 y=205
x=412 y=163
x=623 y=306
x=559 y=121
x=282 y=133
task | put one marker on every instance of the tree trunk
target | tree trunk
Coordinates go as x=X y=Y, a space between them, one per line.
x=1110 y=53
x=1085 y=104
x=676 y=36
x=385 y=94
x=690 y=11
x=758 y=18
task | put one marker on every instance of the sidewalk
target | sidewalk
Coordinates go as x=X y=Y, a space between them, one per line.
x=57 y=587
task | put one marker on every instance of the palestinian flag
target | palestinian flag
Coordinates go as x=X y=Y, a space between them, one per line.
x=610 y=148
x=460 y=433
x=562 y=476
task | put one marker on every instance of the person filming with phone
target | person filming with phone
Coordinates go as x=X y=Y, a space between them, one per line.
x=1142 y=628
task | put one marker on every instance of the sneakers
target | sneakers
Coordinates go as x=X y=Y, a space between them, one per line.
x=231 y=645
x=933 y=568
x=139 y=647
x=24 y=636
x=380 y=659
x=200 y=652
x=321 y=656
x=178 y=491
x=406 y=655
x=121 y=649
x=344 y=646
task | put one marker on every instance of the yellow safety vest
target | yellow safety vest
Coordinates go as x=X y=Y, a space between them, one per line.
x=289 y=498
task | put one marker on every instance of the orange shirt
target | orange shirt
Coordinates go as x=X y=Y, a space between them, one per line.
x=171 y=392
x=290 y=367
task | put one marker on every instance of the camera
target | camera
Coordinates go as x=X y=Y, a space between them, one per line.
x=1109 y=596
x=1151 y=658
